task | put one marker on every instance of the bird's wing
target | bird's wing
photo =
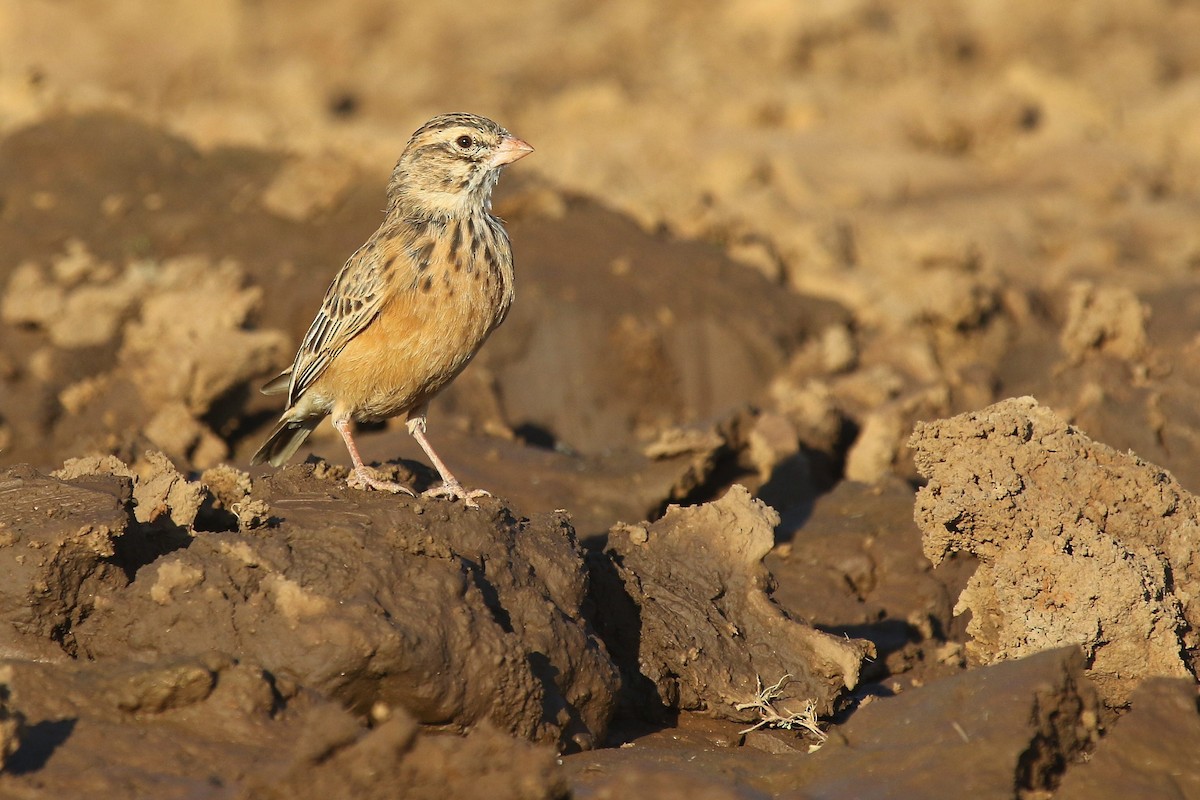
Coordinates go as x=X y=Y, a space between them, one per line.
x=353 y=301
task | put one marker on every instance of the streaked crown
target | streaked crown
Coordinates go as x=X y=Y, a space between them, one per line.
x=451 y=165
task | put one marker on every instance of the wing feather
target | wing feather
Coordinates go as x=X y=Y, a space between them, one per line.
x=353 y=301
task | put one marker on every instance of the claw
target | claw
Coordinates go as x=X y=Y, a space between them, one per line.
x=454 y=491
x=363 y=479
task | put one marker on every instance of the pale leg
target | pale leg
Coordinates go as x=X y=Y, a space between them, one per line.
x=362 y=477
x=450 y=487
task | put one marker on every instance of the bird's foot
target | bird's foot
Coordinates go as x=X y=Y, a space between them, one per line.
x=363 y=478
x=453 y=489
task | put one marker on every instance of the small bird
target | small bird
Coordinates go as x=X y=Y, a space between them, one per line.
x=412 y=307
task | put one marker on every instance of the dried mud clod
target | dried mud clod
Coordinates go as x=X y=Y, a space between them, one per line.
x=456 y=616
x=147 y=726
x=683 y=603
x=72 y=539
x=155 y=349
x=335 y=757
x=1079 y=544
x=1150 y=753
x=1015 y=725
x=57 y=541
x=1107 y=319
x=12 y=722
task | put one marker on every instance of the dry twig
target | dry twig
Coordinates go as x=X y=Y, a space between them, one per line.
x=777 y=716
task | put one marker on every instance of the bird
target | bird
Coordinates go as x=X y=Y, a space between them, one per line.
x=412 y=306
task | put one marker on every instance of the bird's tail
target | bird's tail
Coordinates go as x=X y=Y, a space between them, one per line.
x=286 y=437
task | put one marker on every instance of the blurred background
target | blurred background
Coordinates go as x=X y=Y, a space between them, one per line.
x=751 y=113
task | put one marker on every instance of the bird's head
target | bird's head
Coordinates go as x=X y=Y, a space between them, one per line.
x=451 y=165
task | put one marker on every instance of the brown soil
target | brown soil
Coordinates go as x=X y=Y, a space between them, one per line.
x=774 y=511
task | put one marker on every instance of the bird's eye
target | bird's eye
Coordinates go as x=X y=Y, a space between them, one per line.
x=464 y=142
